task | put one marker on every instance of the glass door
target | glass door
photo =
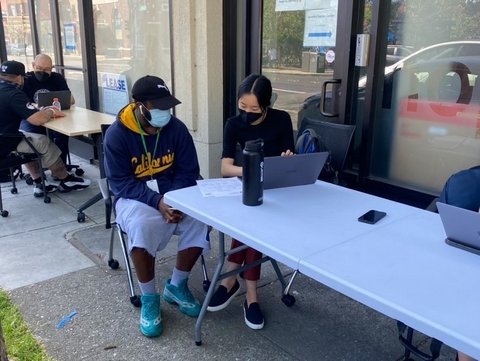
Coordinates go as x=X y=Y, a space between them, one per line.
x=299 y=53
x=425 y=123
x=403 y=71
x=308 y=54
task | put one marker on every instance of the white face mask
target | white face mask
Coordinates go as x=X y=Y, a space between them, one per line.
x=159 y=118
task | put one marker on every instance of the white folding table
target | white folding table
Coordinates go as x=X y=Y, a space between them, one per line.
x=406 y=271
x=291 y=224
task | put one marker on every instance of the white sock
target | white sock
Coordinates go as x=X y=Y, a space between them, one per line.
x=148 y=287
x=178 y=276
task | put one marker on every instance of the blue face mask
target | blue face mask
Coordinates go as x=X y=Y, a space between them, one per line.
x=159 y=118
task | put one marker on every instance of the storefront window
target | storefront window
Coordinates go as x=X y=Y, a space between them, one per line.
x=132 y=40
x=71 y=48
x=16 y=23
x=298 y=51
x=428 y=125
x=44 y=24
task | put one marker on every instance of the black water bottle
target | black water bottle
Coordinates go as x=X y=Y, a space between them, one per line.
x=252 y=173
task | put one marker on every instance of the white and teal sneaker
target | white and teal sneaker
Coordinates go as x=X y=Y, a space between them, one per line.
x=181 y=296
x=150 y=319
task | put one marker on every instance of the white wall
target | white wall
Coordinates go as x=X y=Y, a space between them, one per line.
x=197 y=76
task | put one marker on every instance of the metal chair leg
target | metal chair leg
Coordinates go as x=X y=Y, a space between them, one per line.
x=134 y=299
x=287 y=298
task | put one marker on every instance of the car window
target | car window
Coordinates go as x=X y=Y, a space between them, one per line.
x=433 y=54
x=469 y=50
x=403 y=52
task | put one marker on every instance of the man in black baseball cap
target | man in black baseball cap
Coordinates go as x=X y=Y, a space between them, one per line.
x=12 y=67
x=155 y=90
x=148 y=152
x=15 y=106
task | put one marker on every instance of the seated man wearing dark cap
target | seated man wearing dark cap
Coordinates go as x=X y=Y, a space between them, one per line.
x=149 y=152
x=15 y=106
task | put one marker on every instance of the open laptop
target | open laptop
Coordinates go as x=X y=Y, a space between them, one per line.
x=462 y=227
x=64 y=97
x=295 y=170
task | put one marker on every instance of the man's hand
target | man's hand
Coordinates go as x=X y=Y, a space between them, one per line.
x=170 y=214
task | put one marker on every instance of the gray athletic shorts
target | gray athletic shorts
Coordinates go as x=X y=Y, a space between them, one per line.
x=49 y=151
x=146 y=228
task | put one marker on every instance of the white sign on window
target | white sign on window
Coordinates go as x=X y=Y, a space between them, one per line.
x=69 y=33
x=295 y=5
x=320 y=27
x=320 y=4
x=115 y=92
x=289 y=5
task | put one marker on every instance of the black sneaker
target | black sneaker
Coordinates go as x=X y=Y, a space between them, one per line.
x=221 y=298
x=72 y=183
x=38 y=190
x=253 y=315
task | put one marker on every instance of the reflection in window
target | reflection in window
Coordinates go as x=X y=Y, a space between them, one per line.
x=71 y=48
x=16 y=23
x=427 y=128
x=132 y=40
x=44 y=25
x=296 y=39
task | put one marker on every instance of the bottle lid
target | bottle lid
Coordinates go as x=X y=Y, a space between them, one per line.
x=254 y=145
x=55 y=99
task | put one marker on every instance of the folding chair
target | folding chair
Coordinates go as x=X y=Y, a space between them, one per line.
x=14 y=160
x=462 y=189
x=116 y=230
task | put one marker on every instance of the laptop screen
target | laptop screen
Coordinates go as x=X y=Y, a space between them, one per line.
x=295 y=170
x=64 y=97
x=462 y=226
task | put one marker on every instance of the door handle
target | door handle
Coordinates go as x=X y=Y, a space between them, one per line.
x=323 y=101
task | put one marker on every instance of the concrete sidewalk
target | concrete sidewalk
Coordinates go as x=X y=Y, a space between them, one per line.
x=52 y=265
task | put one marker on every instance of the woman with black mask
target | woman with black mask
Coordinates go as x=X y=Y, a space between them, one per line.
x=256 y=120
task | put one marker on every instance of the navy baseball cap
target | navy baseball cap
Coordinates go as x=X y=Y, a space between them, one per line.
x=154 y=90
x=12 y=67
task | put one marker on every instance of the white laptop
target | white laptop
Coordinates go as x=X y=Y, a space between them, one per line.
x=295 y=170
x=462 y=227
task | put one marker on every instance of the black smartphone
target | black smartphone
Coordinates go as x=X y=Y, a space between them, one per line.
x=372 y=216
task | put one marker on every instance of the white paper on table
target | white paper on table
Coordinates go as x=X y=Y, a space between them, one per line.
x=220 y=187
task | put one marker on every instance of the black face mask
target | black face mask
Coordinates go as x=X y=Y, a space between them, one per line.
x=42 y=76
x=249 y=117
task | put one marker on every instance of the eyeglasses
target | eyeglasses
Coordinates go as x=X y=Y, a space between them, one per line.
x=39 y=68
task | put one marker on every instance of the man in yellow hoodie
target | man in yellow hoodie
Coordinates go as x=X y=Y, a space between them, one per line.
x=149 y=152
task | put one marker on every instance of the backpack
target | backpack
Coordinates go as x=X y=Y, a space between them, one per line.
x=310 y=142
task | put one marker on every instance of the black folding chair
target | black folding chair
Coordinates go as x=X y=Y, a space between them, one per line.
x=336 y=138
x=14 y=160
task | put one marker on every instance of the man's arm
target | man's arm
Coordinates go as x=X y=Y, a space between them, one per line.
x=43 y=116
x=20 y=105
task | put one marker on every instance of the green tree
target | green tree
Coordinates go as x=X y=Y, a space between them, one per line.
x=283 y=31
x=427 y=22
